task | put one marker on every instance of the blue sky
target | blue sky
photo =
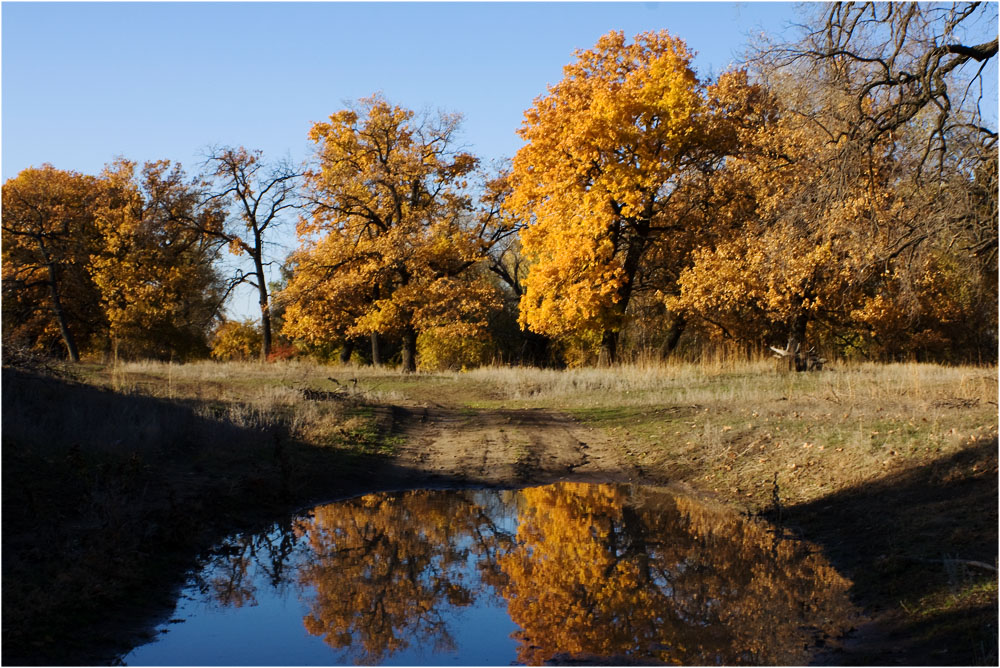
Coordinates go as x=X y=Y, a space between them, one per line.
x=86 y=82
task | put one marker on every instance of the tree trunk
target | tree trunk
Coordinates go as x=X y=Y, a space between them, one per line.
x=345 y=352
x=673 y=335
x=376 y=352
x=630 y=267
x=57 y=307
x=265 y=311
x=409 y=350
x=609 y=348
x=535 y=350
x=796 y=338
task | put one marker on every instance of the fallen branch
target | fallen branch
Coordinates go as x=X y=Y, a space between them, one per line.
x=808 y=362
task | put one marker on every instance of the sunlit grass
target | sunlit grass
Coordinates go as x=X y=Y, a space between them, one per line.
x=729 y=425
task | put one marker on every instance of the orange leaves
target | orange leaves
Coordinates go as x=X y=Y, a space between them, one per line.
x=129 y=262
x=154 y=269
x=389 y=246
x=606 y=156
x=48 y=235
x=802 y=230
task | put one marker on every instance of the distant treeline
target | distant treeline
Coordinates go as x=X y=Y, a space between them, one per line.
x=838 y=192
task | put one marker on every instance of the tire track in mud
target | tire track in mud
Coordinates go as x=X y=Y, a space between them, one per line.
x=505 y=447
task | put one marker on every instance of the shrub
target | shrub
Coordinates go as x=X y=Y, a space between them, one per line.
x=438 y=352
x=282 y=351
x=237 y=340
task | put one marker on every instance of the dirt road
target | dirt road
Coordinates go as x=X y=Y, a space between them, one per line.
x=444 y=445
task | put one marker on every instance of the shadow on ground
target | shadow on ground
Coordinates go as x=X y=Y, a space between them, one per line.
x=921 y=548
x=108 y=498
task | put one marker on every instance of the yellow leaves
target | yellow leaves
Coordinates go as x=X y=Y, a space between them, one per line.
x=390 y=248
x=442 y=349
x=601 y=148
x=236 y=340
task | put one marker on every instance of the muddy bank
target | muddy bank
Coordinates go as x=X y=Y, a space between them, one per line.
x=504 y=447
x=108 y=498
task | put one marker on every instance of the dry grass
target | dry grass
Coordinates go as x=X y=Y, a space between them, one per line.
x=732 y=428
x=727 y=425
x=724 y=424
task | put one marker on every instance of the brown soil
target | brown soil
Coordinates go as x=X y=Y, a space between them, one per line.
x=502 y=448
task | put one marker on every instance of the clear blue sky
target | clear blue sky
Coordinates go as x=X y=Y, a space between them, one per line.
x=86 y=82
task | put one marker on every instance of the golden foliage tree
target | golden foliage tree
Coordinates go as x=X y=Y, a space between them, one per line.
x=48 y=237
x=236 y=340
x=393 y=232
x=805 y=233
x=155 y=271
x=601 y=179
x=834 y=234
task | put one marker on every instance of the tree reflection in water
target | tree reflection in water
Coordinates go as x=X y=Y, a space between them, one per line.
x=232 y=569
x=612 y=572
x=384 y=565
x=597 y=573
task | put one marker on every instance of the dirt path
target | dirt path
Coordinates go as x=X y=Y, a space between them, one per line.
x=444 y=445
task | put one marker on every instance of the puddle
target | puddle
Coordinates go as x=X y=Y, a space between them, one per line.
x=565 y=573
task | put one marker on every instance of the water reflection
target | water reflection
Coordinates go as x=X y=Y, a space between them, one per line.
x=592 y=573
x=610 y=572
x=385 y=567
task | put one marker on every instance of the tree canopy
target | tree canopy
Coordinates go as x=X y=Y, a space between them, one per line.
x=838 y=190
x=392 y=233
x=114 y=263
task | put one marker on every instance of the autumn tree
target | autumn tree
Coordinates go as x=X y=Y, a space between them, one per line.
x=392 y=233
x=795 y=217
x=600 y=180
x=383 y=568
x=937 y=297
x=236 y=340
x=257 y=194
x=155 y=271
x=48 y=237
x=839 y=232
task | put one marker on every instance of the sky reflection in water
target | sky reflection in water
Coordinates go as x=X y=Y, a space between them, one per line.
x=570 y=571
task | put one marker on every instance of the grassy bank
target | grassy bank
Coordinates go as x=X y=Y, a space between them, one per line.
x=892 y=469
